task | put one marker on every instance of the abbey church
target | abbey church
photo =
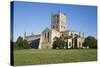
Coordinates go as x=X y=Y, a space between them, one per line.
x=58 y=28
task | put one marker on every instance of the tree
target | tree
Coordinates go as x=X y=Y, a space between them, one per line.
x=90 y=41
x=26 y=45
x=58 y=43
x=66 y=45
x=20 y=43
x=55 y=38
x=54 y=44
x=61 y=43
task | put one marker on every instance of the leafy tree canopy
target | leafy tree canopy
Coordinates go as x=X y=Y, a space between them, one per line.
x=58 y=43
x=21 y=43
x=90 y=41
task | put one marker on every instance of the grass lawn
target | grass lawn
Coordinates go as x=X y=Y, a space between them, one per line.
x=32 y=56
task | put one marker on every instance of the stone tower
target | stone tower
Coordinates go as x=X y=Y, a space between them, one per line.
x=58 y=22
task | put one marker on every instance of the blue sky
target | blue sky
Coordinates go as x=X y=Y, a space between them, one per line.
x=35 y=17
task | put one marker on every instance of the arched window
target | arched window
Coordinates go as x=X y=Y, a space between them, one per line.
x=48 y=36
x=56 y=26
x=45 y=35
x=69 y=43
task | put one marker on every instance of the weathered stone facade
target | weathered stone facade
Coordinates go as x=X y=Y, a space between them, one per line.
x=47 y=37
x=58 y=28
x=58 y=22
x=73 y=38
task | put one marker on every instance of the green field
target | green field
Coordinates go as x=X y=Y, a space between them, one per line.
x=33 y=57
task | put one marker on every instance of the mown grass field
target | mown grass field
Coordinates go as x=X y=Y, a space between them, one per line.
x=33 y=57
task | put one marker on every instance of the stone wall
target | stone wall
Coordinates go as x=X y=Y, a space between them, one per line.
x=80 y=41
x=58 y=22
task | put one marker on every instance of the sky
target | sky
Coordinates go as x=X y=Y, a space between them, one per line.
x=35 y=17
